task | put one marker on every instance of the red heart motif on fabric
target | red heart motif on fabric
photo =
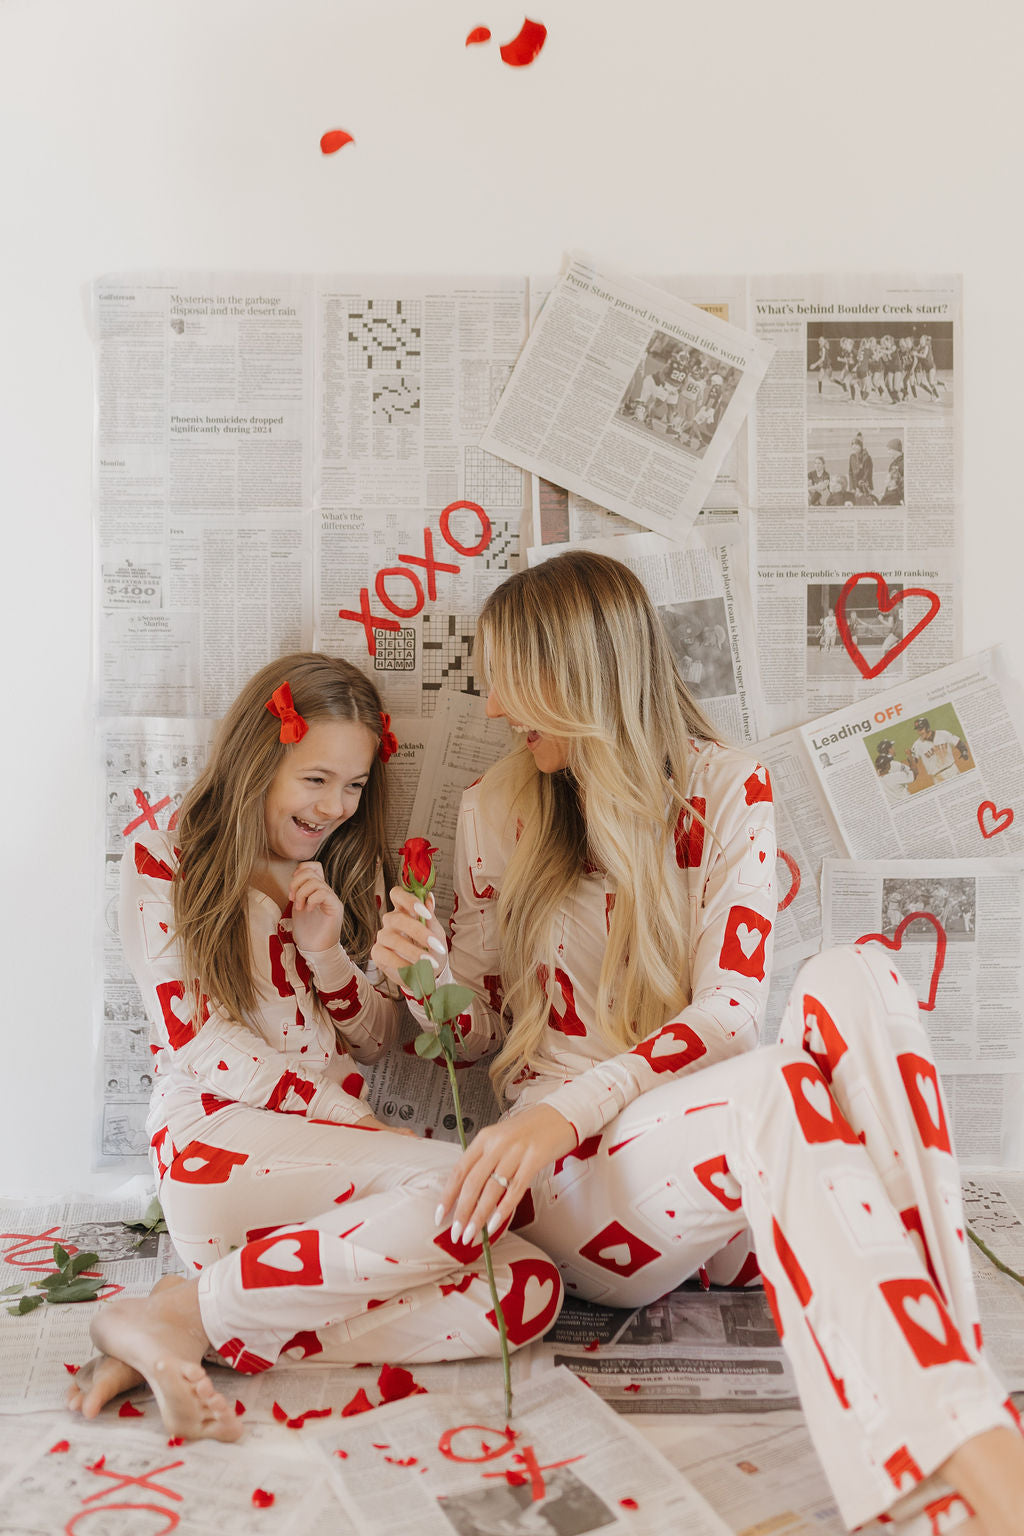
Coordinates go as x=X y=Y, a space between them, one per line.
x=886 y=604
x=1000 y=819
x=896 y=942
x=795 y=879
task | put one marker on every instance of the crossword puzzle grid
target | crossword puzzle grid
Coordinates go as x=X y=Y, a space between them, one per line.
x=385 y=333
x=491 y=481
x=448 y=656
x=396 y=400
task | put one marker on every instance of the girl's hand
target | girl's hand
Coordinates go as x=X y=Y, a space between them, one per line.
x=407 y=933
x=316 y=909
x=518 y=1149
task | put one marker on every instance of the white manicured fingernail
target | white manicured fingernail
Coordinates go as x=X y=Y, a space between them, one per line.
x=437 y=945
x=421 y=911
x=469 y=1234
x=435 y=963
x=494 y=1223
x=456 y=1230
x=439 y=1216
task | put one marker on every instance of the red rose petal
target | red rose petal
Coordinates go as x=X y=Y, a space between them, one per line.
x=342 y=1454
x=310 y=1413
x=358 y=1404
x=62 y=1445
x=634 y=1386
x=176 y=1440
x=402 y=1461
x=479 y=35
x=261 y=1498
x=239 y=1406
x=279 y=1413
x=72 y=1370
x=395 y=1382
x=592 y=1347
x=129 y=1411
x=526 y=45
x=97 y=1465
x=336 y=139
x=629 y=1503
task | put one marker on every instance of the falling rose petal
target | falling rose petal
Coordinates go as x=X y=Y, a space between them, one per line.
x=358 y=1404
x=62 y=1445
x=382 y=1445
x=479 y=35
x=526 y=45
x=72 y=1370
x=310 y=1413
x=395 y=1382
x=279 y=1414
x=592 y=1347
x=634 y=1386
x=176 y=1440
x=129 y=1411
x=239 y=1406
x=97 y=1465
x=342 y=1454
x=629 y=1503
x=336 y=139
x=261 y=1498
x=516 y=1479
x=402 y=1461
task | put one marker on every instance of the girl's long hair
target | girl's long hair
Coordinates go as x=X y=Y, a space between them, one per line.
x=575 y=649
x=222 y=833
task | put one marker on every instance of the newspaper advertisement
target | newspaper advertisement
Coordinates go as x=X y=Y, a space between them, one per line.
x=442 y=1462
x=955 y=929
x=855 y=446
x=203 y=486
x=690 y=1352
x=628 y=396
x=931 y=769
x=831 y=635
x=148 y=765
x=415 y=522
x=701 y=595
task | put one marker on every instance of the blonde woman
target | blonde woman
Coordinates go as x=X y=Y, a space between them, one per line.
x=306 y=1224
x=615 y=878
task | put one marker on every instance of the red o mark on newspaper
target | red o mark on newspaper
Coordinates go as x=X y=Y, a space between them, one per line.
x=794 y=878
x=998 y=821
x=372 y=622
x=886 y=603
x=896 y=942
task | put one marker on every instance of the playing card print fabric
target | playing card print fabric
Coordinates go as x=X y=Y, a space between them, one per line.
x=827 y=1153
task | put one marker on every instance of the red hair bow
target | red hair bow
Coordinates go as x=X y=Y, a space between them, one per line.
x=280 y=703
x=388 y=739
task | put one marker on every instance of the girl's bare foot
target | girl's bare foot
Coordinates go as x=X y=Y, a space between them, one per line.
x=161 y=1338
x=104 y=1377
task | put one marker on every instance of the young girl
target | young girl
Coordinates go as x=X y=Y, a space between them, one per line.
x=615 y=878
x=307 y=1224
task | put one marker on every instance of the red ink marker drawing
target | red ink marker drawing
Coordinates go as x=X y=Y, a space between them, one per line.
x=896 y=942
x=148 y=813
x=886 y=602
x=998 y=821
x=795 y=879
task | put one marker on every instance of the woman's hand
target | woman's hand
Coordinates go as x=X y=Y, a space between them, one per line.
x=316 y=909
x=407 y=933
x=517 y=1149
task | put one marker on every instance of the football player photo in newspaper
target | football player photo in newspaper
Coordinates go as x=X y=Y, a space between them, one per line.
x=873 y=632
x=679 y=393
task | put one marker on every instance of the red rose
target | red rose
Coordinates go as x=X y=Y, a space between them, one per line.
x=417 y=866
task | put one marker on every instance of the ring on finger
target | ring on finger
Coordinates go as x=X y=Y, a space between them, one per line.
x=499 y=1178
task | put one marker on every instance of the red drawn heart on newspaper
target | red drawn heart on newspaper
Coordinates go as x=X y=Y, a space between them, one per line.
x=896 y=942
x=1000 y=819
x=886 y=603
x=795 y=878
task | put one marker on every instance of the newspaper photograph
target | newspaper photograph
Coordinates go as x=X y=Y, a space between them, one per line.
x=445 y=1464
x=561 y=517
x=629 y=396
x=203 y=485
x=933 y=769
x=701 y=595
x=955 y=929
x=856 y=444
x=691 y=1352
x=830 y=636
x=415 y=522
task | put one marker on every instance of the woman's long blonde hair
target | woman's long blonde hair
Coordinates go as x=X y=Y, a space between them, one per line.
x=575 y=649
x=222 y=833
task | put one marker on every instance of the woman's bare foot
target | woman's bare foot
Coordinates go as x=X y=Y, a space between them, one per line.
x=103 y=1377
x=160 y=1337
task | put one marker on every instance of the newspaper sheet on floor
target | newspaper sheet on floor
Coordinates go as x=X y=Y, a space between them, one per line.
x=203 y=485
x=415 y=522
x=855 y=446
x=955 y=929
x=691 y=1352
x=930 y=769
x=566 y=1464
x=701 y=594
x=994 y=1208
x=628 y=396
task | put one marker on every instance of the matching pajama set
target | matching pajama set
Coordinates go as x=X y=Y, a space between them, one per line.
x=828 y=1153
x=312 y=1231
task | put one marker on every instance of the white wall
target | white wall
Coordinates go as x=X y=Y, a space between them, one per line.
x=659 y=135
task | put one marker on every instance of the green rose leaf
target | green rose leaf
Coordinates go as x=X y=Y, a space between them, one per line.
x=418 y=979
x=26 y=1304
x=82 y=1261
x=77 y=1290
x=428 y=1045
x=11 y=1290
x=448 y=1002
x=60 y=1255
x=446 y=1035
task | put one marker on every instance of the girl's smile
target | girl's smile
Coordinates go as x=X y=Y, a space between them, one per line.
x=317 y=786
